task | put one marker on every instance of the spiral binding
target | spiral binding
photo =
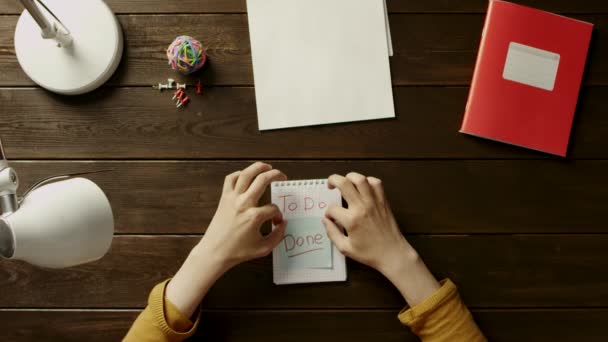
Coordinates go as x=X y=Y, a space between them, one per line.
x=298 y=183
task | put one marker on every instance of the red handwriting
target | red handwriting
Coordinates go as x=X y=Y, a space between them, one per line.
x=309 y=203
x=309 y=243
x=288 y=203
x=305 y=252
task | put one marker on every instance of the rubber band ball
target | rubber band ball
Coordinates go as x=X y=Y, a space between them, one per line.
x=186 y=55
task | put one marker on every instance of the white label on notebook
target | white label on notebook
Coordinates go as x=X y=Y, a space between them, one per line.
x=531 y=66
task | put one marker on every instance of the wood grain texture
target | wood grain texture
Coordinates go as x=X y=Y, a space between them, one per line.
x=491 y=271
x=65 y=326
x=303 y=326
x=427 y=197
x=330 y=326
x=545 y=287
x=127 y=123
x=437 y=49
x=394 y=6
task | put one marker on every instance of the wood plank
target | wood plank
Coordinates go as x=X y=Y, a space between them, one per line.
x=66 y=326
x=491 y=271
x=498 y=325
x=395 y=6
x=226 y=38
x=543 y=325
x=435 y=49
x=480 y=6
x=427 y=197
x=140 y=123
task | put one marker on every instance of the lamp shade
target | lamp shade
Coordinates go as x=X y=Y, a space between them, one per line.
x=61 y=224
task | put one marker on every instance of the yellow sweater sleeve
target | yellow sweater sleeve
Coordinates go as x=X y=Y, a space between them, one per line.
x=161 y=321
x=442 y=317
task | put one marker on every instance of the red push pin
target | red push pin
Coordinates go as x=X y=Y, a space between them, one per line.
x=179 y=94
x=199 y=88
x=182 y=101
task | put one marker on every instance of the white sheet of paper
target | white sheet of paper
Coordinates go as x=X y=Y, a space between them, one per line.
x=319 y=61
x=531 y=66
x=389 y=36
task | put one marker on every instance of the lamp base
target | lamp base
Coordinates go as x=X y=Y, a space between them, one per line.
x=85 y=65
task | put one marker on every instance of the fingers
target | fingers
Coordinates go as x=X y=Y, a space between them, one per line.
x=230 y=181
x=346 y=187
x=336 y=235
x=247 y=176
x=362 y=185
x=377 y=188
x=276 y=236
x=268 y=212
x=261 y=182
x=338 y=214
x=272 y=240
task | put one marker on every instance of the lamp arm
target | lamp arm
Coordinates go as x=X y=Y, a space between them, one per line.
x=56 y=178
x=41 y=20
x=49 y=29
x=9 y=182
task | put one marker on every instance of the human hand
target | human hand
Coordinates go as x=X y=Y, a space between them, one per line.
x=234 y=236
x=374 y=238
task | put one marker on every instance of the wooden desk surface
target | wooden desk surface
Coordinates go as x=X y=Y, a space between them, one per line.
x=524 y=235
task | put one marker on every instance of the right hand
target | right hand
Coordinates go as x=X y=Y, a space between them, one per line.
x=374 y=238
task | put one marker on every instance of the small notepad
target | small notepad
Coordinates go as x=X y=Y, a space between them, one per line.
x=306 y=255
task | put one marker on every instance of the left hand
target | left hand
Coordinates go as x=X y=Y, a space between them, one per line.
x=234 y=234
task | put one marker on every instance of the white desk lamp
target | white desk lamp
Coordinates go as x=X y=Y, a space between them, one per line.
x=56 y=225
x=71 y=56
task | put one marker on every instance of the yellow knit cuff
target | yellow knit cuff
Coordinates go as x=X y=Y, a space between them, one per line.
x=409 y=316
x=156 y=301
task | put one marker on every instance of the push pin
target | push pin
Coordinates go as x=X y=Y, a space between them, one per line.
x=171 y=83
x=181 y=86
x=199 y=88
x=182 y=101
x=181 y=98
x=161 y=87
x=179 y=94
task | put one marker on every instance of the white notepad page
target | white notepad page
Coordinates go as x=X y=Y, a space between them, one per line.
x=320 y=61
x=305 y=200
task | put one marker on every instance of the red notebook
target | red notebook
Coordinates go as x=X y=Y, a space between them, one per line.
x=527 y=78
